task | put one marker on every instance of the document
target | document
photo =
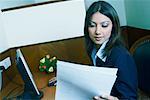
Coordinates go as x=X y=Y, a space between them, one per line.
x=82 y=82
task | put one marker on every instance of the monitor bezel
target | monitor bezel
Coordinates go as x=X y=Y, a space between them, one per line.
x=26 y=67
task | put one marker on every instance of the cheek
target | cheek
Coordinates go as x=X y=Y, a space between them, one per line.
x=91 y=31
x=108 y=32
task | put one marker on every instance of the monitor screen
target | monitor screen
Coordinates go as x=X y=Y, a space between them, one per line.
x=30 y=89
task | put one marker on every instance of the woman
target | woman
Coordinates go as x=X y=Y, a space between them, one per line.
x=102 y=35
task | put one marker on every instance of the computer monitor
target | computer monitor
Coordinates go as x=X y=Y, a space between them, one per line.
x=30 y=89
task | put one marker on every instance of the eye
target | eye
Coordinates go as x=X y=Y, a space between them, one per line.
x=91 y=24
x=105 y=24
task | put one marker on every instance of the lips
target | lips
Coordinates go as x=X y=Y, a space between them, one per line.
x=98 y=38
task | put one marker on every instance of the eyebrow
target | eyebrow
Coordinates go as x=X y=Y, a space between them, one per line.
x=92 y=21
x=104 y=22
x=100 y=22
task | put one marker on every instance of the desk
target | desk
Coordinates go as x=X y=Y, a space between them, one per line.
x=41 y=80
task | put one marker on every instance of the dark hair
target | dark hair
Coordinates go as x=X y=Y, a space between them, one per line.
x=107 y=10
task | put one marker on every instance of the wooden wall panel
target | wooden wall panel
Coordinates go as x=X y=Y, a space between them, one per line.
x=132 y=34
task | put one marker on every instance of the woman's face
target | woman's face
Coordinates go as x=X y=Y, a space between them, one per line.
x=100 y=28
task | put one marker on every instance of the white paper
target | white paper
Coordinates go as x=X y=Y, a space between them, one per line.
x=82 y=82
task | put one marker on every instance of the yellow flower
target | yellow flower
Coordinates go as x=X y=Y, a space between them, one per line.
x=51 y=69
x=42 y=60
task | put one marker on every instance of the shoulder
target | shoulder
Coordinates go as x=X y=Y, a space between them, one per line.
x=119 y=51
x=121 y=57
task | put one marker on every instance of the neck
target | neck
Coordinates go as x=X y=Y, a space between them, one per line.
x=98 y=46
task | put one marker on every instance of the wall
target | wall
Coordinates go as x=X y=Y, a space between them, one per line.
x=13 y=3
x=3 y=40
x=137 y=13
x=37 y=1
x=118 y=5
x=44 y=23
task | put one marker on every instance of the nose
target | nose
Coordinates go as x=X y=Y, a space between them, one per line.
x=98 y=30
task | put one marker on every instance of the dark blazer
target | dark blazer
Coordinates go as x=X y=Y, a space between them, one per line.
x=125 y=86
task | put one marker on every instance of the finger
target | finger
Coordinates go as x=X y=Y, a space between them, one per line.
x=97 y=98
x=108 y=97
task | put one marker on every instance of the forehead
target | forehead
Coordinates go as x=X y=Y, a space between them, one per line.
x=99 y=17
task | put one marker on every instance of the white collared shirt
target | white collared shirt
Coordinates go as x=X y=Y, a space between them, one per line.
x=99 y=53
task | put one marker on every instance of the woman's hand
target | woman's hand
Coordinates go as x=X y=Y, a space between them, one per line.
x=105 y=97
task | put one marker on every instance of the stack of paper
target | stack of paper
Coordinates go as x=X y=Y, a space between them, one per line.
x=82 y=82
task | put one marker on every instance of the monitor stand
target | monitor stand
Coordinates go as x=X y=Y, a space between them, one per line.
x=29 y=94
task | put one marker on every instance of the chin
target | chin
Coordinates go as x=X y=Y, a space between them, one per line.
x=98 y=42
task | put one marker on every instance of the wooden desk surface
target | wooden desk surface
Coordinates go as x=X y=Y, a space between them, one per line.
x=41 y=80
